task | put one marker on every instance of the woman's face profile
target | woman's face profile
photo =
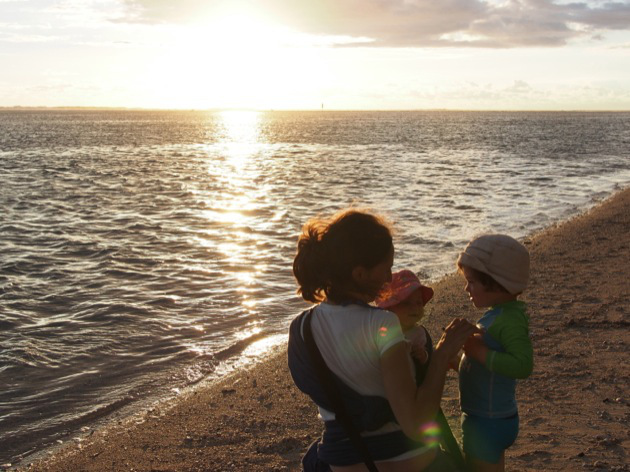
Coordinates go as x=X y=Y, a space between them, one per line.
x=371 y=281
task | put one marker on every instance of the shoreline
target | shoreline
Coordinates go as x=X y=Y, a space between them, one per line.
x=255 y=418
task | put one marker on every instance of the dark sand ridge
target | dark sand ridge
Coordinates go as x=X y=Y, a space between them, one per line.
x=574 y=408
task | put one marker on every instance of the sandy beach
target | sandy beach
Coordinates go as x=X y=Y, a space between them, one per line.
x=574 y=408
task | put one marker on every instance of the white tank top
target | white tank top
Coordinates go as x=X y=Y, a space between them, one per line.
x=352 y=339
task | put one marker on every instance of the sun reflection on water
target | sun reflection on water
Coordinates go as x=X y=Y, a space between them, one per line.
x=241 y=135
x=231 y=201
x=263 y=346
x=249 y=332
x=241 y=126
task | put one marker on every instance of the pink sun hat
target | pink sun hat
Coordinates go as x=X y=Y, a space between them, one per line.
x=403 y=284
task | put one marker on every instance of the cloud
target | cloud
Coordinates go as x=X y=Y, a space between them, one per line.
x=519 y=87
x=67 y=22
x=16 y=33
x=414 y=23
x=521 y=96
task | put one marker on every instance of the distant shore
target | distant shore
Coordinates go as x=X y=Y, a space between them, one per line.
x=574 y=409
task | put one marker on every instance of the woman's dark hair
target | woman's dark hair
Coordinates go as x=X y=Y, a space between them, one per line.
x=329 y=249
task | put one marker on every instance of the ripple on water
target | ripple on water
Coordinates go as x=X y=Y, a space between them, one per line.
x=142 y=251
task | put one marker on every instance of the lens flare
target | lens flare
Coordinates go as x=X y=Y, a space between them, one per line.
x=431 y=434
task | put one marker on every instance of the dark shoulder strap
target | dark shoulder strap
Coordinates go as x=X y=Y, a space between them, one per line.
x=334 y=396
x=429 y=344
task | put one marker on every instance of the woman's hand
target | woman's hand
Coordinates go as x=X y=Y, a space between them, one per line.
x=454 y=337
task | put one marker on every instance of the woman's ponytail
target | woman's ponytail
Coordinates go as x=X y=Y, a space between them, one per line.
x=309 y=263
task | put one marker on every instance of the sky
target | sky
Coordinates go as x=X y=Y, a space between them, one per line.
x=309 y=54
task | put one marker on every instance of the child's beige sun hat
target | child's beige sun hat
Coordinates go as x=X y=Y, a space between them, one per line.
x=501 y=257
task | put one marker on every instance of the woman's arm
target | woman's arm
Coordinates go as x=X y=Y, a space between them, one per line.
x=415 y=407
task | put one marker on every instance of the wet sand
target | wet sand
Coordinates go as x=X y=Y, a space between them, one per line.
x=574 y=408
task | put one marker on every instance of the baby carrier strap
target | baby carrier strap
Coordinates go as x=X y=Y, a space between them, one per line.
x=333 y=394
x=421 y=369
x=367 y=412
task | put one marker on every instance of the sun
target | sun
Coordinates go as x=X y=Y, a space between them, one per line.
x=234 y=60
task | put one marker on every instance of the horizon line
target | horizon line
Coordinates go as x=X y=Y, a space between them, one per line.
x=184 y=109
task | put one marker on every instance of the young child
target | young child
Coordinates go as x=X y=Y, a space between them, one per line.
x=496 y=269
x=406 y=297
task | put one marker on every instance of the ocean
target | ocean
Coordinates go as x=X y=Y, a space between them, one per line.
x=145 y=251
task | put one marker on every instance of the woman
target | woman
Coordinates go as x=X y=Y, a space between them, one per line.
x=341 y=265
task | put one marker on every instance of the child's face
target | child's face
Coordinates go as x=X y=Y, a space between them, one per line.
x=410 y=311
x=481 y=296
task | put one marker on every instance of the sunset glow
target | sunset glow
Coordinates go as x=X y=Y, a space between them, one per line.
x=234 y=61
x=277 y=55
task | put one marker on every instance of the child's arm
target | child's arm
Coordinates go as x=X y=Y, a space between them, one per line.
x=420 y=353
x=518 y=359
x=418 y=339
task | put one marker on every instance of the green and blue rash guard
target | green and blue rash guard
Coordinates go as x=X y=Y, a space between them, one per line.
x=490 y=390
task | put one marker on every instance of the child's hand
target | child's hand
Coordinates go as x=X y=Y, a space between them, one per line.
x=453 y=338
x=475 y=348
x=420 y=353
x=417 y=348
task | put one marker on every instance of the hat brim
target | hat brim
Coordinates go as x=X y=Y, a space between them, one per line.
x=403 y=293
x=471 y=261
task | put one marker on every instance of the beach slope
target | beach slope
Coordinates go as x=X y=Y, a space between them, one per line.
x=574 y=408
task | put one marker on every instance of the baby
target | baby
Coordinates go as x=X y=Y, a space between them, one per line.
x=406 y=297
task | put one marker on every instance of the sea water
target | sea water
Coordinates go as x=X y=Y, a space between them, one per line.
x=143 y=251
